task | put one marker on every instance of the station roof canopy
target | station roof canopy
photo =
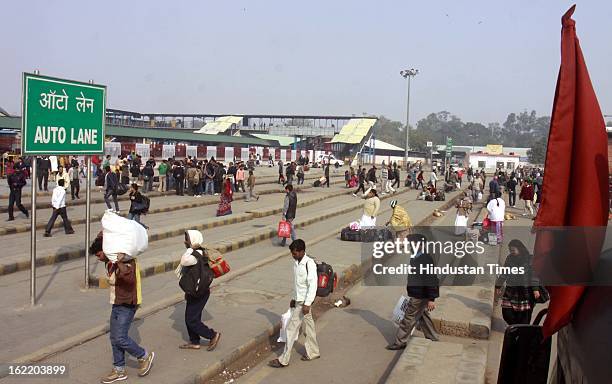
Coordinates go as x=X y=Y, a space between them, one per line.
x=3 y=112
x=181 y=135
x=221 y=124
x=283 y=141
x=354 y=131
x=379 y=144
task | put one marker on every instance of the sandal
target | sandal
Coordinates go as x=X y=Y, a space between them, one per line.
x=189 y=346
x=275 y=364
x=306 y=358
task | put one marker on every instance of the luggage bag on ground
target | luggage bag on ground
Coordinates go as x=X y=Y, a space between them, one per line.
x=348 y=234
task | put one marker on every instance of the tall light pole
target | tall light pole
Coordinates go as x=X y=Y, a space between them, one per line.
x=408 y=74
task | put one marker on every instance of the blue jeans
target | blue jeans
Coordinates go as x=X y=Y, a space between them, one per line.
x=120 y=322
x=210 y=186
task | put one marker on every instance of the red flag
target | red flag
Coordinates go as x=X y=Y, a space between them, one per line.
x=577 y=153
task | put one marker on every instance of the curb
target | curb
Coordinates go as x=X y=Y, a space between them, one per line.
x=21 y=228
x=228 y=246
x=76 y=252
x=153 y=193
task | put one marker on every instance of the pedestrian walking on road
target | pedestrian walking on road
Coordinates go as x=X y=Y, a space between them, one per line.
x=371 y=177
x=300 y=174
x=521 y=290
x=209 y=177
x=433 y=179
x=194 y=262
x=134 y=171
x=75 y=181
x=527 y=195
x=419 y=180
x=225 y=205
x=58 y=204
x=362 y=179
x=16 y=182
x=110 y=188
x=281 y=178
x=125 y=298
x=327 y=175
x=304 y=293
x=147 y=175
x=396 y=175
x=43 y=167
x=511 y=188
x=139 y=204
x=494 y=189
x=423 y=289
x=240 y=178
x=251 y=187
x=497 y=210
x=289 y=211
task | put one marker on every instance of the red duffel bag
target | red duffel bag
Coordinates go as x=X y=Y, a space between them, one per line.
x=218 y=265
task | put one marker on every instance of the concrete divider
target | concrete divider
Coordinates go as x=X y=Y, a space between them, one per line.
x=150 y=267
x=77 y=251
x=21 y=228
x=41 y=204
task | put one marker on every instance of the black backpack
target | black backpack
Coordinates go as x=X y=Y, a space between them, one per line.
x=327 y=279
x=196 y=279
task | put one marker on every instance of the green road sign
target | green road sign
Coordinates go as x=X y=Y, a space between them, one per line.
x=449 y=146
x=62 y=117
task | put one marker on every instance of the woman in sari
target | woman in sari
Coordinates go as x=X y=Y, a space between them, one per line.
x=225 y=205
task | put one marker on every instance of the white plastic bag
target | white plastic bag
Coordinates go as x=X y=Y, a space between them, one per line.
x=460 y=224
x=479 y=197
x=400 y=309
x=122 y=236
x=282 y=338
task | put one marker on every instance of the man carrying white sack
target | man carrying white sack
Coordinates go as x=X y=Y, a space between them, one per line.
x=123 y=236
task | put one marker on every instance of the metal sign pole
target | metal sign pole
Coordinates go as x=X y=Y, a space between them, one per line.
x=87 y=214
x=33 y=236
x=87 y=218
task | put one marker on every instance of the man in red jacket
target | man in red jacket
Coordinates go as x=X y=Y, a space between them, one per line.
x=527 y=196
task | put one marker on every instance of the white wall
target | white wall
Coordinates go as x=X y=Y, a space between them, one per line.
x=491 y=161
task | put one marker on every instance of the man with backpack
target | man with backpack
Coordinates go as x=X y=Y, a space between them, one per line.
x=195 y=277
x=304 y=293
x=16 y=182
x=126 y=297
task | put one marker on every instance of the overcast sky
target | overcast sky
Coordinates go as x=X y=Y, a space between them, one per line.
x=478 y=59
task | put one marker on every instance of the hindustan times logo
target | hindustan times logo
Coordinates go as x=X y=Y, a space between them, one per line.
x=413 y=248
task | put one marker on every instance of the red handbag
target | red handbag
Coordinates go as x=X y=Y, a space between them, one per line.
x=486 y=223
x=284 y=229
x=219 y=266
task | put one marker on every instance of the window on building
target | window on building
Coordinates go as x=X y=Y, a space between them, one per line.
x=509 y=165
x=500 y=165
x=482 y=164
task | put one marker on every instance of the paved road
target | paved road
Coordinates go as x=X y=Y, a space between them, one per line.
x=243 y=306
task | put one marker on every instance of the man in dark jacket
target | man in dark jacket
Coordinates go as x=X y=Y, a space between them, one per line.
x=280 y=171
x=493 y=189
x=16 y=181
x=511 y=187
x=396 y=175
x=422 y=288
x=147 y=174
x=371 y=177
x=178 y=173
x=289 y=208
x=110 y=188
x=327 y=175
x=43 y=165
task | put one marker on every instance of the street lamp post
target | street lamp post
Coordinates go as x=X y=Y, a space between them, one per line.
x=408 y=74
